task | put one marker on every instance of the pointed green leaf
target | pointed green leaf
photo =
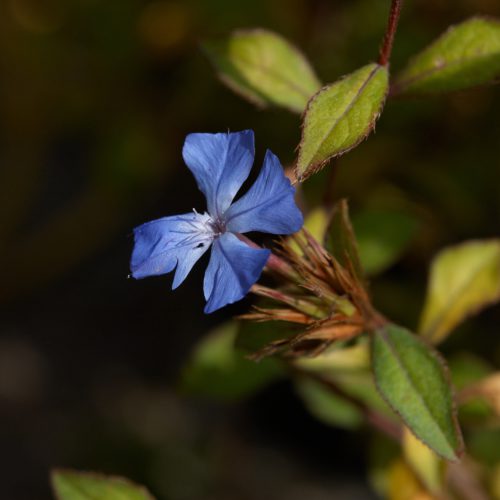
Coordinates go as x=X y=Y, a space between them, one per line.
x=464 y=279
x=412 y=379
x=73 y=485
x=382 y=237
x=218 y=369
x=264 y=68
x=340 y=116
x=466 y=55
x=340 y=240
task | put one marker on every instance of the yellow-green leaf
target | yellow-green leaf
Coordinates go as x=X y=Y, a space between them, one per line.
x=464 y=279
x=412 y=379
x=340 y=116
x=265 y=68
x=466 y=55
x=424 y=462
x=403 y=483
x=73 y=485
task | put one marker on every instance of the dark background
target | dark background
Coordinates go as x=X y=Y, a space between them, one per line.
x=96 y=97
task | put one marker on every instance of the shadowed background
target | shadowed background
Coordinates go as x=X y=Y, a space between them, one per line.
x=96 y=98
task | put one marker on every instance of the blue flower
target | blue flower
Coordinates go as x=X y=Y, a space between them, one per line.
x=220 y=163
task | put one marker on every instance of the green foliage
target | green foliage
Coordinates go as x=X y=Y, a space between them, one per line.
x=340 y=240
x=217 y=369
x=412 y=379
x=72 y=485
x=328 y=407
x=464 y=56
x=382 y=237
x=466 y=369
x=349 y=369
x=252 y=337
x=484 y=445
x=340 y=116
x=264 y=68
x=464 y=279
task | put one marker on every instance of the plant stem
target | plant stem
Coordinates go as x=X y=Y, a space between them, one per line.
x=372 y=417
x=386 y=49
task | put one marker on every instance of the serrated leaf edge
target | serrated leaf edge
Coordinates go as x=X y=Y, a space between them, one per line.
x=312 y=168
x=460 y=441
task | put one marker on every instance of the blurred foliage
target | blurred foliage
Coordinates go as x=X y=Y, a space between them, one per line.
x=464 y=279
x=265 y=69
x=217 y=369
x=71 y=485
x=382 y=237
x=465 y=56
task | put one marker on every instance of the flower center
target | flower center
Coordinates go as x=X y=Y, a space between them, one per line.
x=218 y=227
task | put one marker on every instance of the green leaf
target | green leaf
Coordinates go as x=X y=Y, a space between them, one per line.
x=340 y=116
x=382 y=237
x=326 y=406
x=217 y=369
x=264 y=68
x=466 y=55
x=412 y=379
x=73 y=485
x=340 y=240
x=349 y=369
x=464 y=279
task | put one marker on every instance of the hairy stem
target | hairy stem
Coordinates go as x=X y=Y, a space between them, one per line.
x=388 y=41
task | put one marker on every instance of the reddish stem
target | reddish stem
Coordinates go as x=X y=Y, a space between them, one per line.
x=386 y=49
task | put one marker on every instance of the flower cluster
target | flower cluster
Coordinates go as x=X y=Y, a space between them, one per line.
x=220 y=164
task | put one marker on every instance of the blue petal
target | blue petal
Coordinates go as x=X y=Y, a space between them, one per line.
x=233 y=268
x=163 y=244
x=221 y=164
x=269 y=205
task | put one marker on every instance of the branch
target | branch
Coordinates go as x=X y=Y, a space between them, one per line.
x=386 y=49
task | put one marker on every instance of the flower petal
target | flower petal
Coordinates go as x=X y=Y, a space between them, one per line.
x=233 y=268
x=221 y=164
x=269 y=205
x=163 y=244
